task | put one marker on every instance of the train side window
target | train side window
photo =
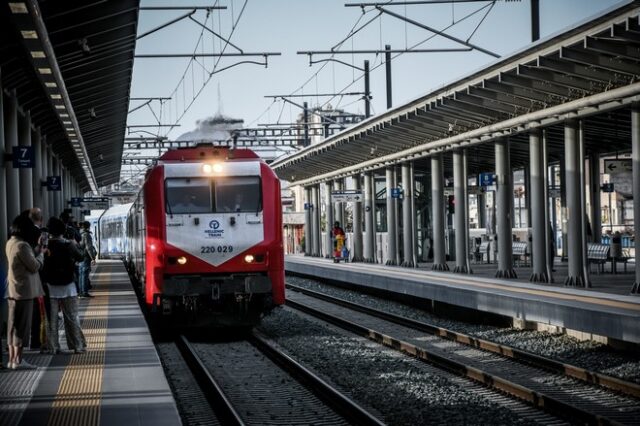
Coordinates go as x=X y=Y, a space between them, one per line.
x=238 y=194
x=188 y=195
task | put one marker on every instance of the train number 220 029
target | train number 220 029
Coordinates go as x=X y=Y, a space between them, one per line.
x=216 y=249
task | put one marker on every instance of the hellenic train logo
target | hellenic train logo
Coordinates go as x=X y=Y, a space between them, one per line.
x=214 y=230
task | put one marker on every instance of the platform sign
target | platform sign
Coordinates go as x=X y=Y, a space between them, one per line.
x=95 y=203
x=53 y=183
x=617 y=166
x=607 y=187
x=76 y=202
x=307 y=206
x=486 y=179
x=396 y=193
x=23 y=157
x=349 y=196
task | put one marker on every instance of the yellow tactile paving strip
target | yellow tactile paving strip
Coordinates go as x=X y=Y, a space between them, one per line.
x=80 y=392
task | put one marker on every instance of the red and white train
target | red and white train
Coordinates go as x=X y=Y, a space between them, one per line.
x=205 y=237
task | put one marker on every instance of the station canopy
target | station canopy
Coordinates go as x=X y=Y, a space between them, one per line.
x=589 y=72
x=81 y=50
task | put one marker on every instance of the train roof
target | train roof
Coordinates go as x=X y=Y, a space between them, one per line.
x=206 y=152
x=117 y=210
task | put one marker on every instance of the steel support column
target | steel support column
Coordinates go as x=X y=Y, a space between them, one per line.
x=407 y=217
x=357 y=222
x=4 y=169
x=44 y=163
x=574 y=215
x=635 y=158
x=537 y=206
x=504 y=199
x=437 y=213
x=315 y=220
x=392 y=223
x=339 y=206
x=481 y=201
x=36 y=141
x=461 y=211
x=308 y=234
x=11 y=141
x=329 y=216
x=369 y=224
x=26 y=175
x=594 y=200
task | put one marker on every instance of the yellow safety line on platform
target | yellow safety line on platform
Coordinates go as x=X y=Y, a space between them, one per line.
x=470 y=282
x=80 y=392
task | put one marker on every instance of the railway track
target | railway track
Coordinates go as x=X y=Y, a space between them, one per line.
x=254 y=382
x=557 y=388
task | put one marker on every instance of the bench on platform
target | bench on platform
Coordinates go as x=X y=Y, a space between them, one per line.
x=520 y=253
x=598 y=254
x=482 y=251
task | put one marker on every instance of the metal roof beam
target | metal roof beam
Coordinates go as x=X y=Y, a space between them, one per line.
x=555 y=78
x=600 y=61
x=465 y=108
x=579 y=70
x=486 y=103
x=612 y=47
x=503 y=98
x=535 y=85
x=520 y=92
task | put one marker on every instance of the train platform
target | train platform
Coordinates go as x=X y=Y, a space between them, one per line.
x=119 y=380
x=604 y=312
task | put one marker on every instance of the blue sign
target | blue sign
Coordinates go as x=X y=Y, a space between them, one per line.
x=396 y=193
x=24 y=157
x=308 y=206
x=487 y=179
x=76 y=202
x=53 y=183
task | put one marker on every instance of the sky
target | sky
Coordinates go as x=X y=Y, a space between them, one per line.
x=288 y=26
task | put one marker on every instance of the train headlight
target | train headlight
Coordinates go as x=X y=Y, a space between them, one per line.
x=217 y=168
x=207 y=168
x=181 y=260
x=249 y=258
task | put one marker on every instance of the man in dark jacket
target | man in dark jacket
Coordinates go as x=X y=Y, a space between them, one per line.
x=89 y=259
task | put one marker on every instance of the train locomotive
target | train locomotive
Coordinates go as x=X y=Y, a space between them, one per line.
x=205 y=237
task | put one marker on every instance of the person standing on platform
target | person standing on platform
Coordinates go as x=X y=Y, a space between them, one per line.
x=89 y=258
x=58 y=272
x=23 y=286
x=39 y=320
x=3 y=281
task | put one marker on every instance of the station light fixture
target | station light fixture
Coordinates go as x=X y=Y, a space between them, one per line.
x=50 y=84
x=37 y=54
x=56 y=96
x=64 y=115
x=29 y=34
x=18 y=7
x=66 y=122
x=44 y=70
x=59 y=106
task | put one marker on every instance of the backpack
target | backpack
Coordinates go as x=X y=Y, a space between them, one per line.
x=59 y=264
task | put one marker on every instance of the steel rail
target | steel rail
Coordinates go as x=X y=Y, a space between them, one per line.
x=211 y=389
x=537 y=399
x=582 y=374
x=343 y=405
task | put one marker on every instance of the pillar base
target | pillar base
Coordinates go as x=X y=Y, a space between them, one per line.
x=328 y=256
x=462 y=270
x=635 y=290
x=539 y=278
x=391 y=263
x=408 y=264
x=576 y=281
x=357 y=259
x=440 y=267
x=506 y=273
x=369 y=260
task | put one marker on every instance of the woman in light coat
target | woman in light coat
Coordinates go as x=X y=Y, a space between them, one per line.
x=23 y=286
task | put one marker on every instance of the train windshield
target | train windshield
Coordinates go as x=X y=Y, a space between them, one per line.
x=221 y=195
x=238 y=194
x=188 y=195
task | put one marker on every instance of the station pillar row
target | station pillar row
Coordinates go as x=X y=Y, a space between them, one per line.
x=26 y=177
x=408 y=214
x=339 y=207
x=4 y=167
x=576 y=247
x=357 y=255
x=635 y=158
x=537 y=199
x=461 y=211
x=330 y=219
x=44 y=172
x=11 y=174
x=392 y=223
x=369 y=224
x=307 y=222
x=315 y=220
x=36 y=187
x=504 y=200
x=437 y=213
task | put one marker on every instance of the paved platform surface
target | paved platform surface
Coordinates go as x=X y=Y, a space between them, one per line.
x=599 y=311
x=119 y=381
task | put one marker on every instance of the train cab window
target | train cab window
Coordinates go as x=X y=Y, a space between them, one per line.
x=238 y=194
x=188 y=195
